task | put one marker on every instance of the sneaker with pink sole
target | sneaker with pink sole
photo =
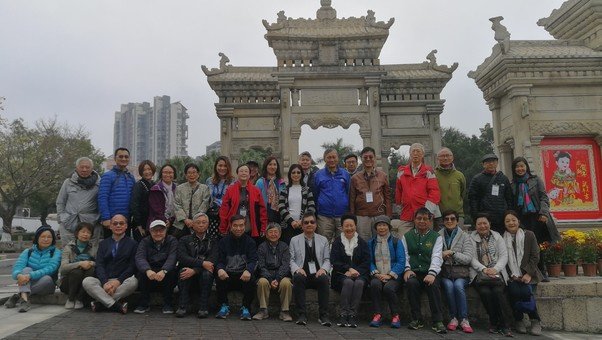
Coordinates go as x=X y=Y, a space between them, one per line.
x=452 y=325
x=465 y=325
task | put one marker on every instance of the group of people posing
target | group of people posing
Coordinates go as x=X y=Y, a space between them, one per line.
x=258 y=232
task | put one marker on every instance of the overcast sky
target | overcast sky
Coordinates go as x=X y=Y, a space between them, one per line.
x=80 y=60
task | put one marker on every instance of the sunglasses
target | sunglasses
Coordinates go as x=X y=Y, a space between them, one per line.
x=453 y=218
x=309 y=222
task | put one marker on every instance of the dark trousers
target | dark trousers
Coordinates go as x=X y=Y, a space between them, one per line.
x=72 y=283
x=415 y=285
x=320 y=283
x=166 y=287
x=491 y=296
x=518 y=291
x=178 y=233
x=389 y=290
x=351 y=295
x=202 y=280
x=288 y=234
x=235 y=283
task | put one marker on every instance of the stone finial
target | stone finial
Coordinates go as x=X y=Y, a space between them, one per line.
x=502 y=36
x=432 y=58
x=223 y=66
x=326 y=11
x=371 y=21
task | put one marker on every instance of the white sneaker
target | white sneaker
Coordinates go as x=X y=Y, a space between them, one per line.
x=78 y=304
x=69 y=304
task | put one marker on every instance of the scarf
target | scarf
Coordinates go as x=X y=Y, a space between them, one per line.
x=516 y=250
x=524 y=200
x=349 y=244
x=486 y=251
x=382 y=255
x=88 y=182
x=273 y=194
x=168 y=191
x=449 y=237
x=217 y=192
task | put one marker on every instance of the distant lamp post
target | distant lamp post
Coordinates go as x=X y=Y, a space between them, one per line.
x=28 y=211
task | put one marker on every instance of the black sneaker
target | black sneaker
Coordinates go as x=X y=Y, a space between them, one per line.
x=351 y=322
x=181 y=312
x=505 y=332
x=324 y=320
x=120 y=307
x=415 y=324
x=12 y=301
x=301 y=320
x=95 y=306
x=342 y=321
x=24 y=306
x=202 y=314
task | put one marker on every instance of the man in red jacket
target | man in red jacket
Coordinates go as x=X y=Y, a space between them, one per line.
x=416 y=187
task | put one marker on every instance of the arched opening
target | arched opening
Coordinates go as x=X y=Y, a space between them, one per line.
x=313 y=140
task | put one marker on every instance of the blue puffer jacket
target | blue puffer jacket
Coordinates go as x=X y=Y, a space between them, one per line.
x=397 y=256
x=332 y=191
x=40 y=261
x=114 y=193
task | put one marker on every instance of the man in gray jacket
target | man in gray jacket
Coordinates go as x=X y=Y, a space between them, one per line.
x=310 y=264
x=77 y=201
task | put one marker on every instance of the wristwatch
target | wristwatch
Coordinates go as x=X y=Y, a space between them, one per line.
x=164 y=271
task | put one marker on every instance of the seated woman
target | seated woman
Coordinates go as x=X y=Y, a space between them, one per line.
x=350 y=260
x=77 y=263
x=523 y=257
x=387 y=263
x=488 y=272
x=36 y=269
x=457 y=254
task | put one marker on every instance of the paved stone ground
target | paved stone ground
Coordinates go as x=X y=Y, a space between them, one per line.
x=154 y=325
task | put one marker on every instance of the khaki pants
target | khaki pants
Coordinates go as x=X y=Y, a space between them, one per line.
x=364 y=227
x=329 y=227
x=402 y=227
x=285 y=289
x=93 y=287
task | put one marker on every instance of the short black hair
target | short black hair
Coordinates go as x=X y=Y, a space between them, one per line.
x=120 y=149
x=368 y=149
x=237 y=217
x=351 y=155
x=424 y=211
x=483 y=215
x=175 y=172
x=349 y=217
x=191 y=165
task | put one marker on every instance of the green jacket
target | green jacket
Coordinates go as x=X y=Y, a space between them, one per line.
x=184 y=197
x=423 y=252
x=452 y=185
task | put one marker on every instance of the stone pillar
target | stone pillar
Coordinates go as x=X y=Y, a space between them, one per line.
x=226 y=115
x=372 y=139
x=598 y=140
x=505 y=156
x=286 y=144
x=533 y=155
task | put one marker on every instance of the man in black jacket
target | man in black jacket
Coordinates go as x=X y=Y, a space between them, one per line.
x=115 y=268
x=273 y=268
x=236 y=260
x=490 y=192
x=156 y=262
x=197 y=254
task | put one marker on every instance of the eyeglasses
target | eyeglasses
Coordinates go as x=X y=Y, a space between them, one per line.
x=451 y=218
x=295 y=172
x=422 y=218
x=309 y=222
x=116 y=223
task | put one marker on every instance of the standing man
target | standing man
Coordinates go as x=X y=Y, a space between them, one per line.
x=490 y=192
x=197 y=255
x=115 y=268
x=310 y=265
x=416 y=187
x=423 y=247
x=115 y=190
x=236 y=261
x=452 y=186
x=274 y=271
x=369 y=194
x=331 y=189
x=78 y=200
x=156 y=262
x=309 y=170
x=350 y=162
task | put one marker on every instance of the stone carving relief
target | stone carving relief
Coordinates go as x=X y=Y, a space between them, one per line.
x=223 y=66
x=371 y=21
x=559 y=128
x=505 y=134
x=432 y=64
x=330 y=122
x=502 y=36
x=525 y=108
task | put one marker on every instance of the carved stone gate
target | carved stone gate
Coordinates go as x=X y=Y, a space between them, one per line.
x=328 y=73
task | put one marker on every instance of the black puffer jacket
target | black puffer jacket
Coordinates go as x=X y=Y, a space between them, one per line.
x=482 y=201
x=273 y=263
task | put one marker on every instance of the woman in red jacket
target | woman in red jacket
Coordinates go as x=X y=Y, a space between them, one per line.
x=243 y=198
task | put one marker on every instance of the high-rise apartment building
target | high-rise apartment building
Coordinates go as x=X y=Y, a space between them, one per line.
x=156 y=133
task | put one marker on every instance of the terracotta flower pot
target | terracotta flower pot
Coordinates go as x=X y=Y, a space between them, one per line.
x=589 y=269
x=600 y=267
x=553 y=270
x=569 y=270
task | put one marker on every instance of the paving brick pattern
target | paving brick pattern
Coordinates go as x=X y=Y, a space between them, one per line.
x=154 y=325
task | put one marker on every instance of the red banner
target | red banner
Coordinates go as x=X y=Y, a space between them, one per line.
x=571 y=172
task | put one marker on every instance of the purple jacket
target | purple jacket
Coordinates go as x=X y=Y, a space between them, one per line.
x=156 y=204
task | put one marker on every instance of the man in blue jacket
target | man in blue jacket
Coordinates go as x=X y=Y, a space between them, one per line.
x=115 y=190
x=115 y=268
x=331 y=192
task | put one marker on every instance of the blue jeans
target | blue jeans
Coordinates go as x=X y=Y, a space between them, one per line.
x=455 y=292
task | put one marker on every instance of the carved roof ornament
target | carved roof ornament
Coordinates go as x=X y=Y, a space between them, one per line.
x=432 y=64
x=326 y=11
x=223 y=66
x=502 y=36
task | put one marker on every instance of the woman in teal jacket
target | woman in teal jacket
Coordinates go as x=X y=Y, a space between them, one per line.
x=36 y=269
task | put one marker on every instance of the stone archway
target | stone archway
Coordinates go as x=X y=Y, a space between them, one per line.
x=329 y=73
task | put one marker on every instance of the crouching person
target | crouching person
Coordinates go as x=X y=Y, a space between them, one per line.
x=77 y=263
x=236 y=261
x=197 y=255
x=273 y=268
x=115 y=268
x=156 y=262
x=36 y=269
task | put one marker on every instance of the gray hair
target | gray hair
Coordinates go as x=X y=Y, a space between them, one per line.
x=417 y=146
x=84 y=159
x=445 y=149
x=329 y=150
x=199 y=215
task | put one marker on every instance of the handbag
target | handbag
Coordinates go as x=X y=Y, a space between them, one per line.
x=486 y=280
x=451 y=271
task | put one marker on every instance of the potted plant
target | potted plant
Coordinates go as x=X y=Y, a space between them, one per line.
x=570 y=240
x=552 y=257
x=588 y=254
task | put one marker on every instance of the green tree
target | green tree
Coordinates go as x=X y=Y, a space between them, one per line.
x=342 y=149
x=206 y=163
x=35 y=162
x=257 y=154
